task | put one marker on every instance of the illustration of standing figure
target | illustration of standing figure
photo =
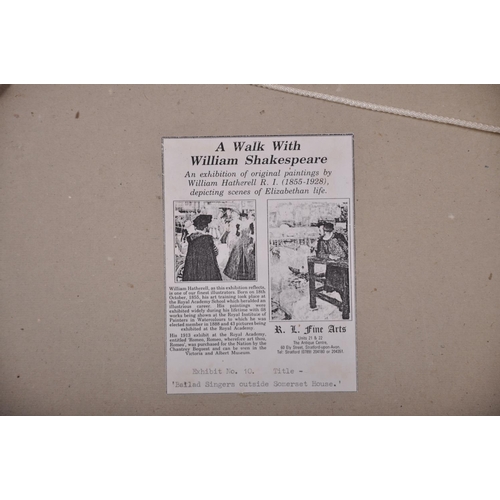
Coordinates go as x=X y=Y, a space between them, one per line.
x=201 y=257
x=241 y=262
x=331 y=247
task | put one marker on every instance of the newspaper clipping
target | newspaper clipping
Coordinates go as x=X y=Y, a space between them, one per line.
x=259 y=264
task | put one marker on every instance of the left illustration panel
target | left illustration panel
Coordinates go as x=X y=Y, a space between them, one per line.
x=215 y=240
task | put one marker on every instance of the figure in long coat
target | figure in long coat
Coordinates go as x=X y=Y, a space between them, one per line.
x=201 y=258
x=332 y=247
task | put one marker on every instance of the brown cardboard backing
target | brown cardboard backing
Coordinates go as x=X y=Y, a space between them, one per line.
x=82 y=283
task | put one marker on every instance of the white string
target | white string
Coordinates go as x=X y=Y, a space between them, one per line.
x=383 y=109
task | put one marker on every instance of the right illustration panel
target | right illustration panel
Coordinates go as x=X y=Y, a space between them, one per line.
x=309 y=259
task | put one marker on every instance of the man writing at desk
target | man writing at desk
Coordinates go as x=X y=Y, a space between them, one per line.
x=331 y=247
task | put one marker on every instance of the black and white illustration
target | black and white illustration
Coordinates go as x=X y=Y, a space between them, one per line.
x=309 y=260
x=215 y=240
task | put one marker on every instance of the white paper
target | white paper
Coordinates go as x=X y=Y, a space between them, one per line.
x=259 y=264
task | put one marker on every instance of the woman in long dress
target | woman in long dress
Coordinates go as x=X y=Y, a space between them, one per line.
x=241 y=262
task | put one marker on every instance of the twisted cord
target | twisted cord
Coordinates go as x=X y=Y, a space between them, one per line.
x=384 y=109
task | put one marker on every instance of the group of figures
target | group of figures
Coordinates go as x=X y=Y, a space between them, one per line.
x=224 y=242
